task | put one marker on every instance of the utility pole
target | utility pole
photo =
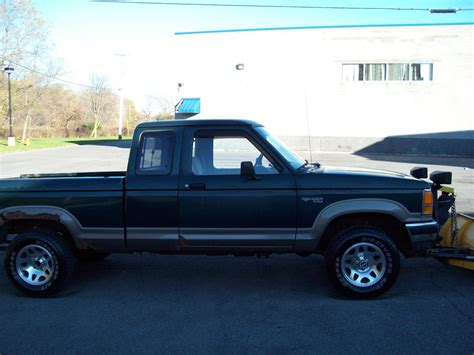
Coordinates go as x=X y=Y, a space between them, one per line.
x=120 y=114
x=120 y=119
x=11 y=137
x=128 y=117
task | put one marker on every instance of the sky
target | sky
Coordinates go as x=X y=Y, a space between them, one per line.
x=88 y=35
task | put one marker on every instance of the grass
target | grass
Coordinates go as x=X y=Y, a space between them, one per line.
x=42 y=143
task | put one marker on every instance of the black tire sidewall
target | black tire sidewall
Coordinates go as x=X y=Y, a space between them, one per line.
x=44 y=240
x=345 y=241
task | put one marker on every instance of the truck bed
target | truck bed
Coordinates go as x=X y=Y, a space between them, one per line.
x=83 y=181
x=80 y=174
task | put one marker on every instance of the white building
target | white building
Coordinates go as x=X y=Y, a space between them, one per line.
x=351 y=88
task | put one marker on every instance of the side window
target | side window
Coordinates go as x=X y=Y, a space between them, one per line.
x=423 y=71
x=155 y=153
x=222 y=155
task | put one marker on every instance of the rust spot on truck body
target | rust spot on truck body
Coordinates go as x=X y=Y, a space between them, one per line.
x=182 y=241
x=14 y=216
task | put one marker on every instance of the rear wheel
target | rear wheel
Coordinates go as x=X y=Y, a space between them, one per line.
x=39 y=262
x=362 y=262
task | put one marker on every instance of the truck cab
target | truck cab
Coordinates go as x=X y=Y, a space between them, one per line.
x=185 y=184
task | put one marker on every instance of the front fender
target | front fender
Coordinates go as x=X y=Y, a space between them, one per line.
x=307 y=239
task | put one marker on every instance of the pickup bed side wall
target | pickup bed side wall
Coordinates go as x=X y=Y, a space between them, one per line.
x=93 y=215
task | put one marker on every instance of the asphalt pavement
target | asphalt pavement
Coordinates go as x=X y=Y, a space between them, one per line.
x=283 y=304
x=192 y=304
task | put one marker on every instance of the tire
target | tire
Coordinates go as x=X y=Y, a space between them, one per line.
x=91 y=256
x=362 y=262
x=39 y=263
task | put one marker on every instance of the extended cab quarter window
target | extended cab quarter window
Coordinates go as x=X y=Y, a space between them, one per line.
x=222 y=155
x=155 y=153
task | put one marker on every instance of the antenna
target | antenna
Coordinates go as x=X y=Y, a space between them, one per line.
x=308 y=126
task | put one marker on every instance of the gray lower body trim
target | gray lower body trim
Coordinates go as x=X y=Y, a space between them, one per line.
x=306 y=240
x=103 y=239
x=242 y=250
x=153 y=239
x=237 y=237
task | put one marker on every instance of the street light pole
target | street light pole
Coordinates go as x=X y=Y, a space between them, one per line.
x=120 y=115
x=11 y=137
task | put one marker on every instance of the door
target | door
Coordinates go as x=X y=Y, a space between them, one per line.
x=220 y=208
x=151 y=191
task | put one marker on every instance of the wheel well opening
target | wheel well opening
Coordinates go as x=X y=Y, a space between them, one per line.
x=387 y=223
x=26 y=225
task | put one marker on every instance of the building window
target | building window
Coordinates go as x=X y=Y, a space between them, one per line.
x=399 y=72
x=422 y=71
x=353 y=72
x=387 y=72
x=375 y=72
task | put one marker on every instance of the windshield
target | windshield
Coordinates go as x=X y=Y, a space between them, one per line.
x=294 y=159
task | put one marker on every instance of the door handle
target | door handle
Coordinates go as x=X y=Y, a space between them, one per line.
x=195 y=186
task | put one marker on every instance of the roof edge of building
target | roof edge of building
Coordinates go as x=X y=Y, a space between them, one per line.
x=324 y=27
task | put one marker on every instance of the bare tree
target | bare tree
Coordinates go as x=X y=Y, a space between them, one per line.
x=31 y=88
x=23 y=35
x=24 y=40
x=98 y=95
x=166 y=109
x=149 y=109
x=157 y=108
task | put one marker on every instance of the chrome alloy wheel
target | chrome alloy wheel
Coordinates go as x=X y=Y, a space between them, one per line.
x=363 y=264
x=35 y=265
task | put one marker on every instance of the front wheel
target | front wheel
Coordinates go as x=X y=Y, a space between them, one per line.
x=362 y=262
x=39 y=262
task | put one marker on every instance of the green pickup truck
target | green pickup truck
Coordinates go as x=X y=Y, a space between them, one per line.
x=215 y=187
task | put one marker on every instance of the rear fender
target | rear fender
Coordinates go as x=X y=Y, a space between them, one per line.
x=97 y=238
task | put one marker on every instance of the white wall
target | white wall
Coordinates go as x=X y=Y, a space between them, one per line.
x=282 y=67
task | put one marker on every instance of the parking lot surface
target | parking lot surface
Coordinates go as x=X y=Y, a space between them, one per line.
x=194 y=304
x=147 y=303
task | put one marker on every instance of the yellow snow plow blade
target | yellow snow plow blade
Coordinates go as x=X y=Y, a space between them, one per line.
x=464 y=239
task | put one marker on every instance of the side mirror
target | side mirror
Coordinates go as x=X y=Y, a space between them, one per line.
x=441 y=177
x=247 y=169
x=419 y=172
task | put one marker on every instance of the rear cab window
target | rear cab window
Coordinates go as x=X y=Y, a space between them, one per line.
x=155 y=153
